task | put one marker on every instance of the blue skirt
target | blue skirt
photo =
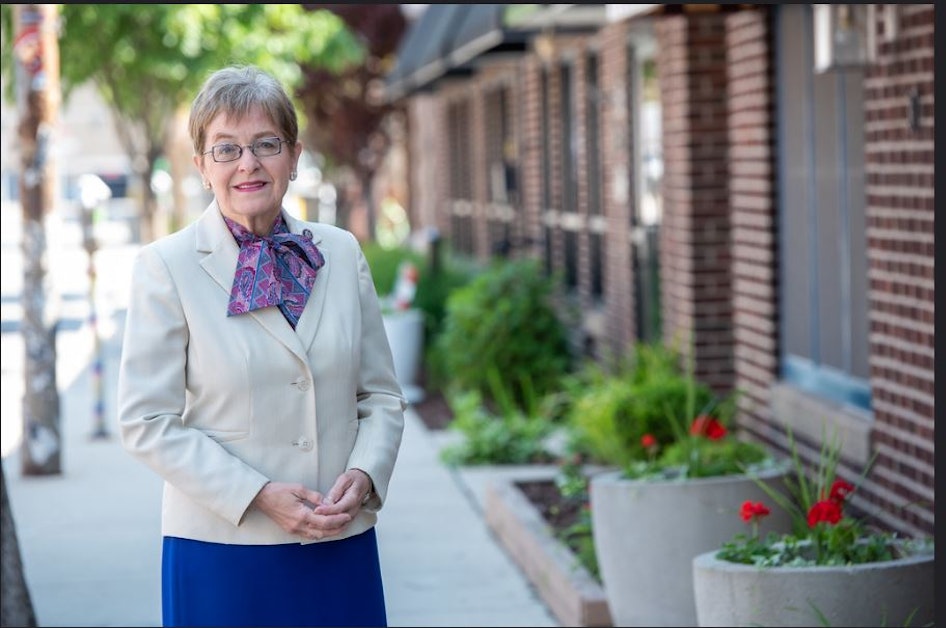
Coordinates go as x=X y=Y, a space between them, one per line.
x=333 y=583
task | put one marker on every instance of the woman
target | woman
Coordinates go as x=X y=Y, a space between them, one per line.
x=257 y=380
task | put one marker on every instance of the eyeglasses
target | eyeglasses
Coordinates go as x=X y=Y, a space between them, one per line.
x=263 y=147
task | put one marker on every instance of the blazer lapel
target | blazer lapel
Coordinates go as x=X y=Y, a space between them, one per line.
x=222 y=252
x=312 y=313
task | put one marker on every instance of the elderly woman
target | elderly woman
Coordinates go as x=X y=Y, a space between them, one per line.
x=257 y=380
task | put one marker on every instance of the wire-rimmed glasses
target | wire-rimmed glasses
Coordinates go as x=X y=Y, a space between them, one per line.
x=263 y=147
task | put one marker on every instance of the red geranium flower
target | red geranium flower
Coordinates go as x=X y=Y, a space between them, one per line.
x=752 y=511
x=710 y=427
x=648 y=441
x=840 y=490
x=825 y=510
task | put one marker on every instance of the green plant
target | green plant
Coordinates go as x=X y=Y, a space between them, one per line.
x=822 y=533
x=444 y=275
x=653 y=419
x=504 y=319
x=507 y=436
x=703 y=443
x=572 y=484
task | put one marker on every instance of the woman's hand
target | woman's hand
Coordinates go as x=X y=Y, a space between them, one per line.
x=346 y=496
x=295 y=509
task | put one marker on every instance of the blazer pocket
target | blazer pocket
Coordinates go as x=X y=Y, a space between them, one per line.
x=223 y=436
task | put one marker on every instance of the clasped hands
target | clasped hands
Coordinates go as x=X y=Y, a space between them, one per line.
x=309 y=514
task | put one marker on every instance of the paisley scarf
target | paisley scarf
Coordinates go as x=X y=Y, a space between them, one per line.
x=278 y=269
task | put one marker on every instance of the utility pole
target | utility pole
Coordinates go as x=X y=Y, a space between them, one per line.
x=36 y=51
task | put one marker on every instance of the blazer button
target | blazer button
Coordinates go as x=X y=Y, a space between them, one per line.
x=303 y=443
x=304 y=384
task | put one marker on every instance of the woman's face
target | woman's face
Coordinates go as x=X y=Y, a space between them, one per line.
x=250 y=189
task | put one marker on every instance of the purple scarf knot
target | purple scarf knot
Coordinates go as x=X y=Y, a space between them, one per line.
x=278 y=269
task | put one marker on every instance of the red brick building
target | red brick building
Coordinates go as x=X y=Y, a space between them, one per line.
x=716 y=172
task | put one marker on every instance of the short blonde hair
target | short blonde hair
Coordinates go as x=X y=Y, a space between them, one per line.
x=236 y=91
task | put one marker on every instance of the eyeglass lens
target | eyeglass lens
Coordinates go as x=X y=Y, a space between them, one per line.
x=263 y=147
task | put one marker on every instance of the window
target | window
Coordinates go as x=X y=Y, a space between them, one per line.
x=593 y=172
x=461 y=184
x=823 y=264
x=546 y=166
x=569 y=176
x=646 y=147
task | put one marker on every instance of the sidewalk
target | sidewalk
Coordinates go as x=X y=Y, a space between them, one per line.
x=90 y=538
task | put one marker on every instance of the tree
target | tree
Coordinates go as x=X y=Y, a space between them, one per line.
x=147 y=61
x=16 y=605
x=37 y=87
x=345 y=110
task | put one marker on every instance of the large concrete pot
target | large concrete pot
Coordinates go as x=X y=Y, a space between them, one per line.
x=647 y=532
x=405 y=331
x=889 y=593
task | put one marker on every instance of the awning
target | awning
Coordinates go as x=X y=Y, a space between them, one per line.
x=447 y=39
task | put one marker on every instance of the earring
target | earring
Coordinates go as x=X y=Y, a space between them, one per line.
x=293 y=175
x=206 y=184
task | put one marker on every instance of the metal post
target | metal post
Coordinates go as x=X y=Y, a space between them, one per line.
x=90 y=198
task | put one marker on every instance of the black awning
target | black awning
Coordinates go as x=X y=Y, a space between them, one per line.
x=448 y=38
x=422 y=55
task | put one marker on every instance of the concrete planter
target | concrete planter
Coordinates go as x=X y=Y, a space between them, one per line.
x=405 y=330
x=890 y=593
x=647 y=532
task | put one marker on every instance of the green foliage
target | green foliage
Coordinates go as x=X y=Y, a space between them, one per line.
x=512 y=437
x=708 y=458
x=611 y=413
x=436 y=285
x=504 y=318
x=572 y=484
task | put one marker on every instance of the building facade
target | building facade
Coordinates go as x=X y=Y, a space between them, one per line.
x=756 y=180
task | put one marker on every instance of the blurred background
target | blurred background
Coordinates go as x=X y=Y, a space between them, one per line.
x=758 y=178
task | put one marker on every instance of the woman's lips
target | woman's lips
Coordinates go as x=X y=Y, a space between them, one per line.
x=250 y=187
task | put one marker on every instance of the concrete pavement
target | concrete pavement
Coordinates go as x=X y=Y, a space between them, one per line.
x=90 y=537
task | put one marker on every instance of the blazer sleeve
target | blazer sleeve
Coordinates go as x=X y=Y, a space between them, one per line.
x=151 y=396
x=381 y=403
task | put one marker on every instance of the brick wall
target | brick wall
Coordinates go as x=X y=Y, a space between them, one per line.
x=694 y=241
x=900 y=204
x=529 y=127
x=427 y=148
x=753 y=214
x=618 y=193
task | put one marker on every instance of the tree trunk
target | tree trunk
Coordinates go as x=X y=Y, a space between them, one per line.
x=367 y=192
x=37 y=53
x=16 y=606
x=178 y=152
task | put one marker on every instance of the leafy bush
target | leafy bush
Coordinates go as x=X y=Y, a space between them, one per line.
x=504 y=319
x=512 y=437
x=611 y=413
x=444 y=276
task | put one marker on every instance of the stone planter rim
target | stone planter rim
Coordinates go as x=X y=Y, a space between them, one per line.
x=709 y=559
x=763 y=474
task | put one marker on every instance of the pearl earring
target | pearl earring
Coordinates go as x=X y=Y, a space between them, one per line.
x=293 y=175
x=206 y=184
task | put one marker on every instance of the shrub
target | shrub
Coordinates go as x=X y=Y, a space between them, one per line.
x=504 y=319
x=611 y=413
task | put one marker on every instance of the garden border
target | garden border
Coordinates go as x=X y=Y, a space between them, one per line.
x=571 y=593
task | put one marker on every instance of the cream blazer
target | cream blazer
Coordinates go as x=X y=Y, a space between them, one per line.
x=219 y=405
